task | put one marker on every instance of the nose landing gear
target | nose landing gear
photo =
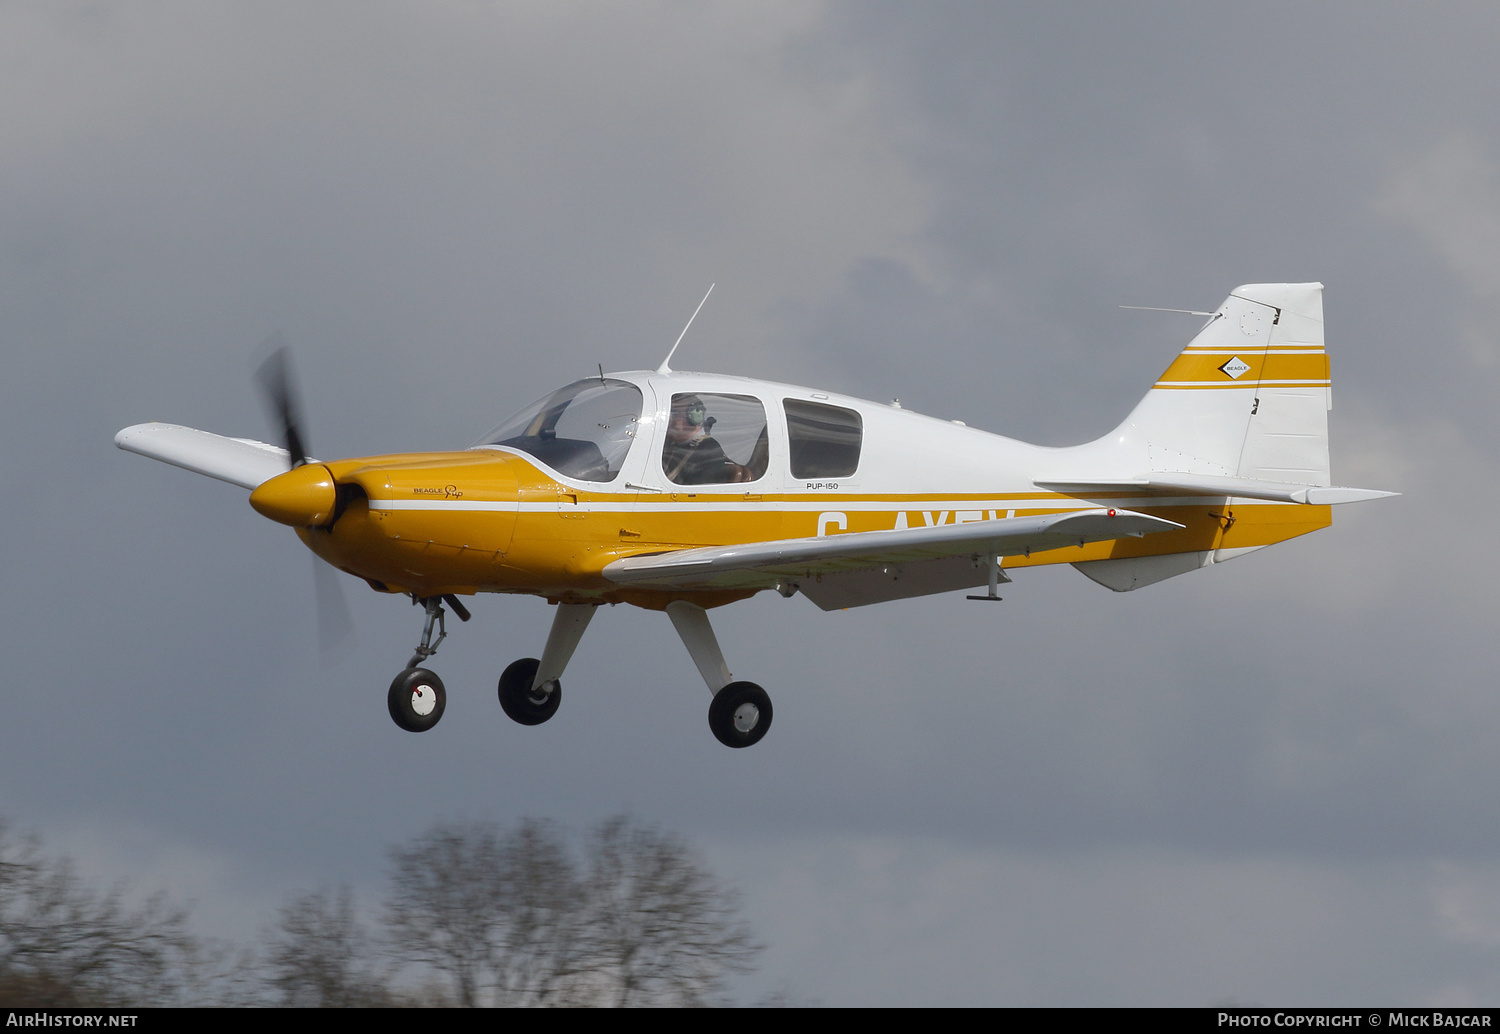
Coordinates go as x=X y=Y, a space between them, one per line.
x=416 y=699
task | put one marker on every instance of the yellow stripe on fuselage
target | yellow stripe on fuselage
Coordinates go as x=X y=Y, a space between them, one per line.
x=434 y=527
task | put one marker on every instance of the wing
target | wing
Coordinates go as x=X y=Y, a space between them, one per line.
x=837 y=571
x=1206 y=484
x=240 y=461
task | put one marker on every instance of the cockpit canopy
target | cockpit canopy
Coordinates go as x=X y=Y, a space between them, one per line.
x=583 y=430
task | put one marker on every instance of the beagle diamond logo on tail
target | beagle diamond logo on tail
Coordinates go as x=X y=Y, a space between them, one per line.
x=1235 y=368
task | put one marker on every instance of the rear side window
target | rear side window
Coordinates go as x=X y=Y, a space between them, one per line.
x=824 y=440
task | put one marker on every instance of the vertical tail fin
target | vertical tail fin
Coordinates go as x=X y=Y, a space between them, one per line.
x=1249 y=396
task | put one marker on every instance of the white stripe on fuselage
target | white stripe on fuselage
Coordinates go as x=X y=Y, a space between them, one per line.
x=750 y=506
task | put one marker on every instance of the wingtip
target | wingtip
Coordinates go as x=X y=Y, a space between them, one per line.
x=125 y=434
x=1333 y=496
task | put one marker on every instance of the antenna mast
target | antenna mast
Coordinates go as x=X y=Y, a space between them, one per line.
x=1158 y=308
x=664 y=368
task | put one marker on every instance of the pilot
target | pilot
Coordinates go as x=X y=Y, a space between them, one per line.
x=691 y=456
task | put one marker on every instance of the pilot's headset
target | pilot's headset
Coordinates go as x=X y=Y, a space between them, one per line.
x=694 y=410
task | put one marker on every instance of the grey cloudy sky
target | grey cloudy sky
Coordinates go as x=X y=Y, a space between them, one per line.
x=1273 y=781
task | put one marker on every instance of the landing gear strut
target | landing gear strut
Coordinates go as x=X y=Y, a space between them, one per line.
x=435 y=614
x=416 y=699
x=740 y=713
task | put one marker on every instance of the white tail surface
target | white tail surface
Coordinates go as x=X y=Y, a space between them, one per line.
x=1243 y=410
x=1249 y=396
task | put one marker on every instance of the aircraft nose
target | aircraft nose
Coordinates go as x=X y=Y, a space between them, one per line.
x=304 y=497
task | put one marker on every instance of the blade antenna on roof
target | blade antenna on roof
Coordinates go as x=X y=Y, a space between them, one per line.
x=664 y=368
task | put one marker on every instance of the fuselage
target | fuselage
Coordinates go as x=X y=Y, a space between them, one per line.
x=509 y=516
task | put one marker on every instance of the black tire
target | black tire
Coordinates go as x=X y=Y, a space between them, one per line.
x=740 y=714
x=518 y=700
x=416 y=699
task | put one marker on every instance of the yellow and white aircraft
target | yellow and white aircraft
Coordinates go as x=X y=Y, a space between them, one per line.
x=681 y=492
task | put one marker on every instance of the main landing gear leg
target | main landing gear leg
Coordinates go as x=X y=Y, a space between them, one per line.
x=741 y=711
x=531 y=690
x=416 y=699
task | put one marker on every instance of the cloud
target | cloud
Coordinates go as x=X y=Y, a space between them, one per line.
x=889 y=921
x=1450 y=194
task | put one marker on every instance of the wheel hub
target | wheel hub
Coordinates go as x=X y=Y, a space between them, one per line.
x=423 y=700
x=539 y=695
x=746 y=717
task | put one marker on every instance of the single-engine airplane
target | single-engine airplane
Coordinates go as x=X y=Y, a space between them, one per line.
x=682 y=492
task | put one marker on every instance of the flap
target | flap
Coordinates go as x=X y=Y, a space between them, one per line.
x=763 y=564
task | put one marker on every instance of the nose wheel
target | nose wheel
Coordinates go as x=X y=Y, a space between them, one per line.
x=740 y=714
x=417 y=699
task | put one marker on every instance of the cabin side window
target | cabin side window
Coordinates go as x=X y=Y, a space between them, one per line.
x=583 y=430
x=824 y=440
x=715 y=440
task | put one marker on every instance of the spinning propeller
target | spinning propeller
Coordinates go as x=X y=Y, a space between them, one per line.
x=276 y=384
x=278 y=388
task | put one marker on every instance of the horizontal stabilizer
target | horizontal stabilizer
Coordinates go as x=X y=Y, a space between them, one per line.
x=764 y=564
x=1207 y=484
x=240 y=461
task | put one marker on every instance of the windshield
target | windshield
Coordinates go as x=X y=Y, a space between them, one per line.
x=583 y=430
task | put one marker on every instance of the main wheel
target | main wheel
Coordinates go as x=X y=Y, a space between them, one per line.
x=520 y=701
x=416 y=699
x=740 y=714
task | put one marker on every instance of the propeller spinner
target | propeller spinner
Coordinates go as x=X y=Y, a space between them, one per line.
x=305 y=496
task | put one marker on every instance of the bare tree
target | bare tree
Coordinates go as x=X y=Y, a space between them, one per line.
x=321 y=956
x=62 y=944
x=496 y=911
x=506 y=917
x=661 y=929
x=447 y=904
x=541 y=957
